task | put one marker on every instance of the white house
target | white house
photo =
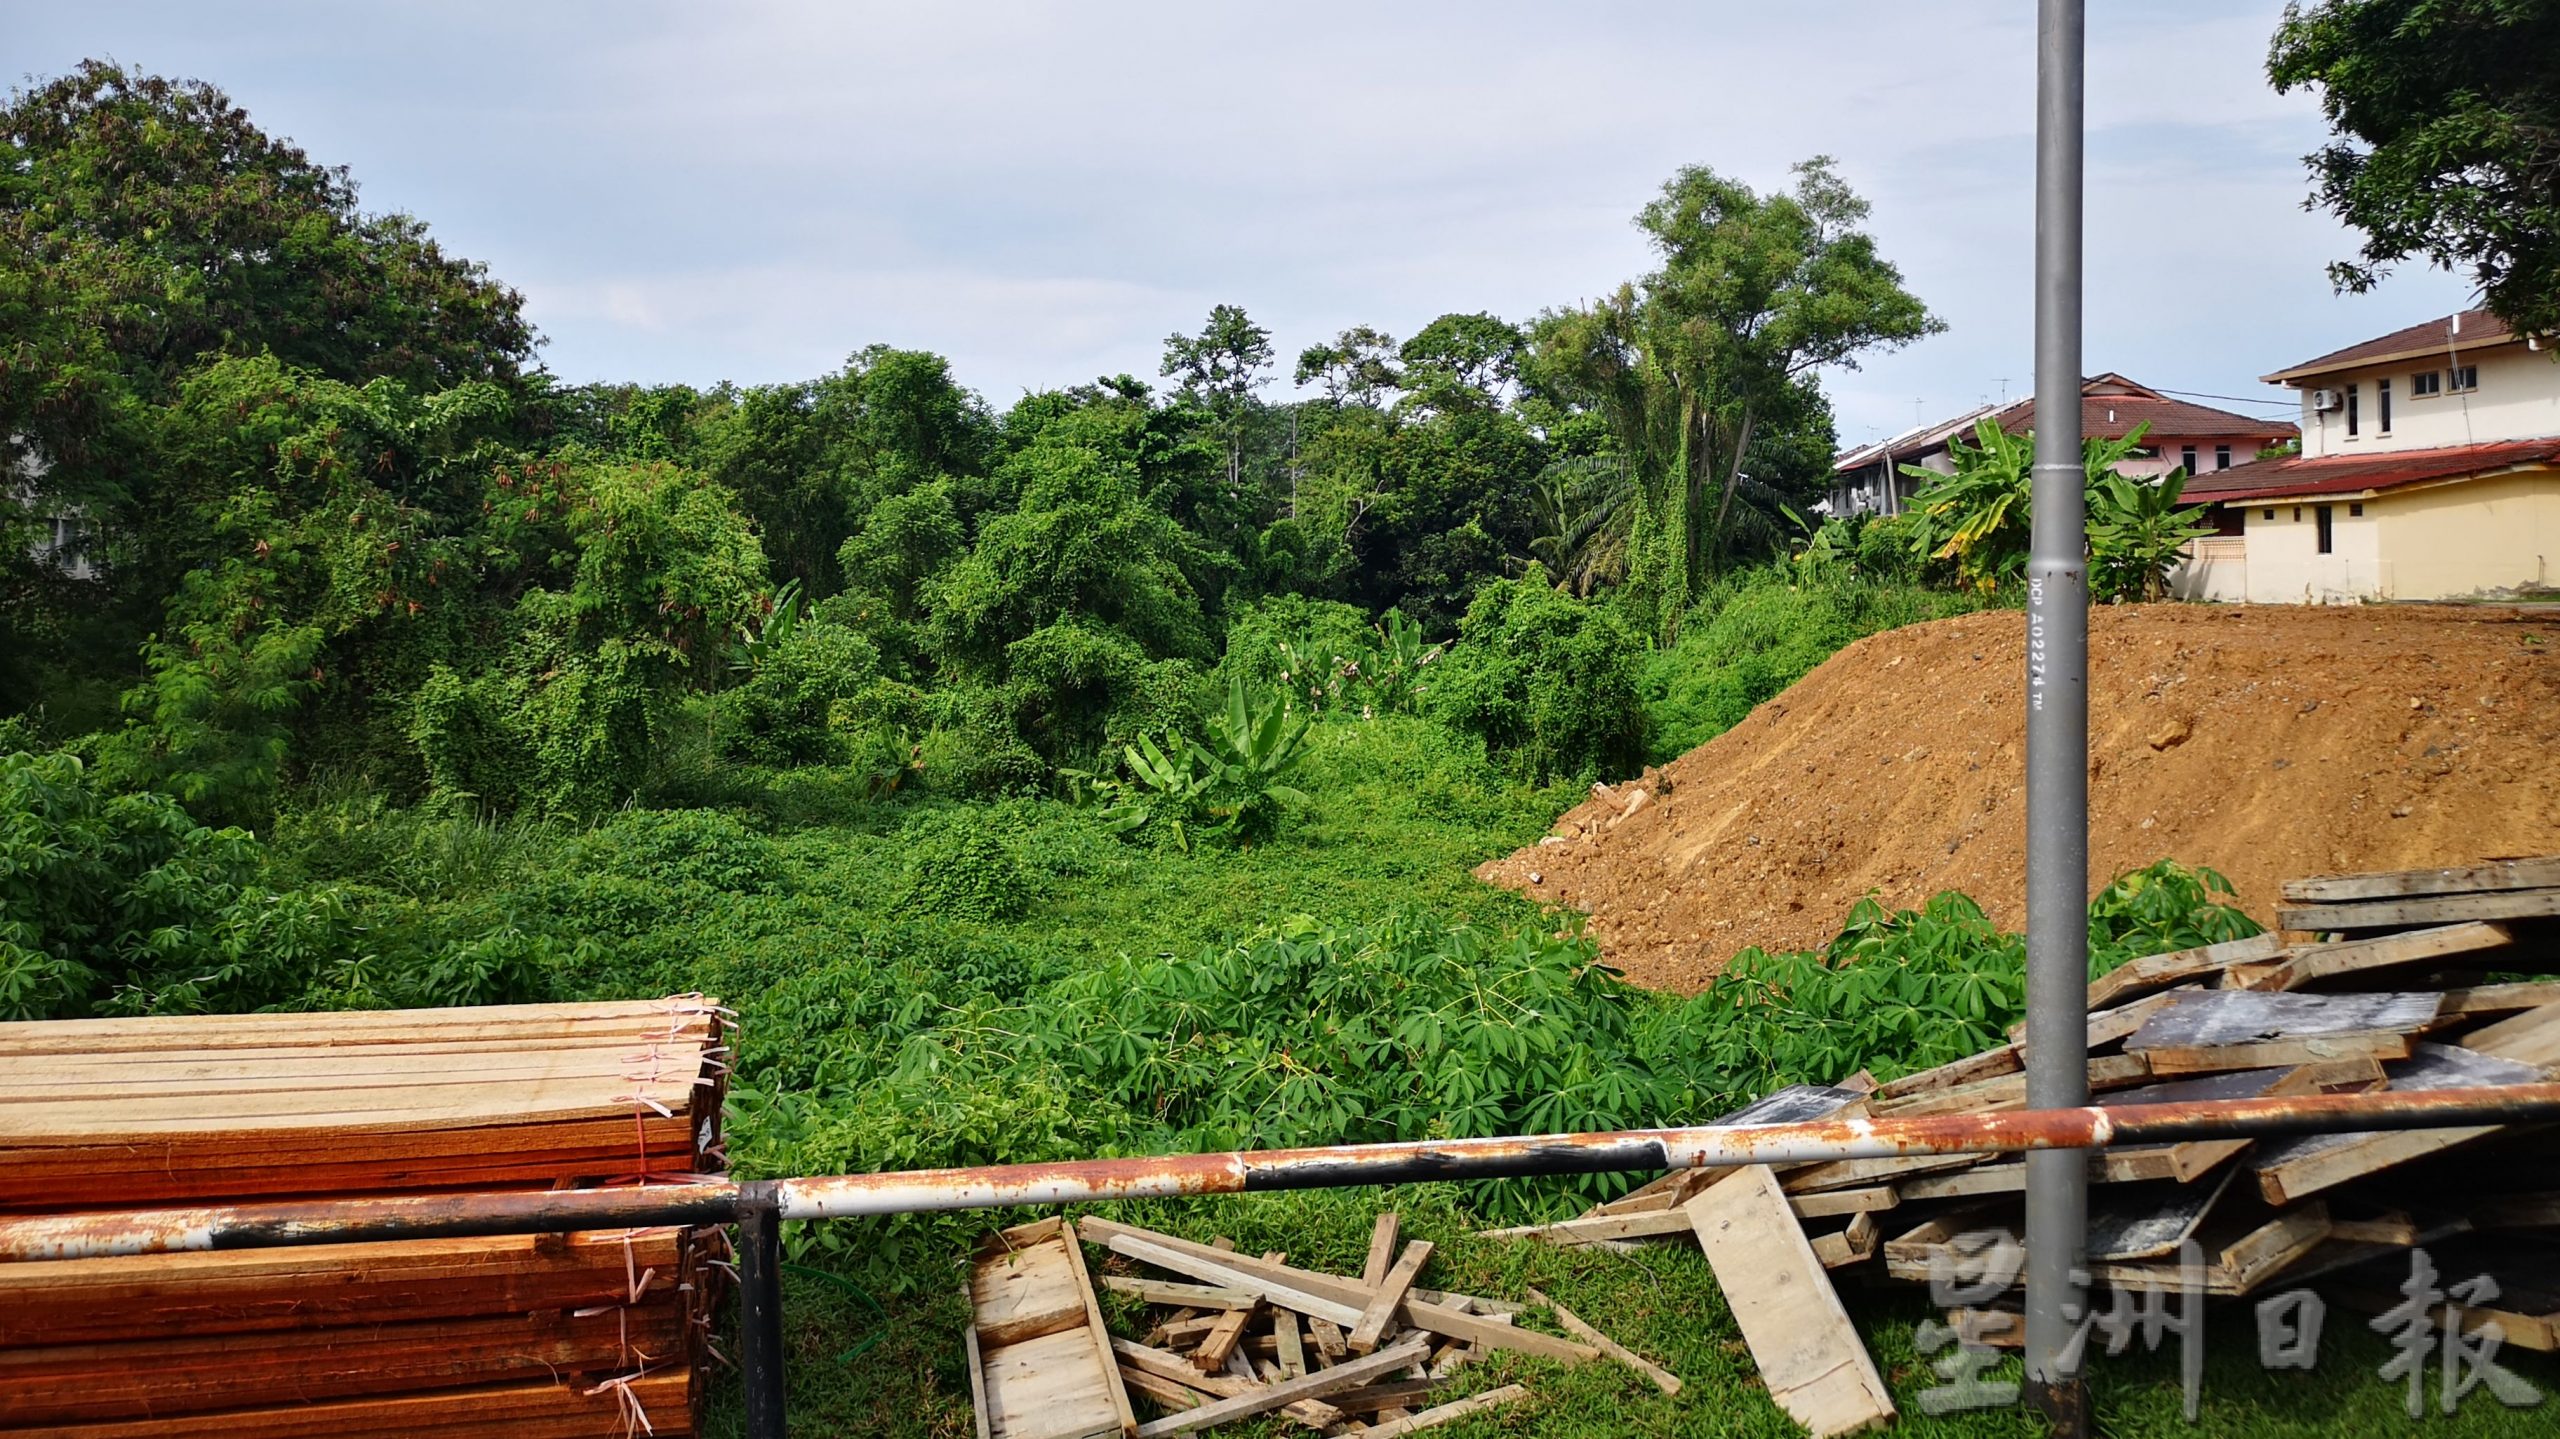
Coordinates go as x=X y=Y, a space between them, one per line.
x=2176 y=435
x=2427 y=473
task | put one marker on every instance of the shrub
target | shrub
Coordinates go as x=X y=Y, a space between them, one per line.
x=958 y=868
x=1549 y=682
x=785 y=712
x=123 y=903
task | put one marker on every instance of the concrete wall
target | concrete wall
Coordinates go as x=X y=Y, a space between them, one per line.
x=2518 y=399
x=2471 y=538
x=2480 y=537
x=2216 y=569
x=2285 y=566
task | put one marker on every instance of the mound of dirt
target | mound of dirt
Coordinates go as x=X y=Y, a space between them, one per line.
x=2266 y=742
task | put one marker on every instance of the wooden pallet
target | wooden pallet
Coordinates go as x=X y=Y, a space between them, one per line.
x=1040 y=1360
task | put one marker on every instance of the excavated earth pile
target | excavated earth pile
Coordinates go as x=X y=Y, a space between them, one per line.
x=2264 y=742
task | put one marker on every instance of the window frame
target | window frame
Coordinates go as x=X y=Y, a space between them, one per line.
x=2461 y=379
x=2324 y=522
x=2425 y=384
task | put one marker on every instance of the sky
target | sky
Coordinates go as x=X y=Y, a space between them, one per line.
x=1042 y=192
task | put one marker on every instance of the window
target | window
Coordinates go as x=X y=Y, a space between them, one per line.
x=2463 y=377
x=2271 y=514
x=2222 y=457
x=2425 y=383
x=2382 y=406
x=2230 y=521
x=2356 y=510
x=2187 y=458
x=2325 y=516
x=2351 y=412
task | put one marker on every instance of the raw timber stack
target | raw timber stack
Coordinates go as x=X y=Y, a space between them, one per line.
x=1231 y=1337
x=548 y=1336
x=2420 y=980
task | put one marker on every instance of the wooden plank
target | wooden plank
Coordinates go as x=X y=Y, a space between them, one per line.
x=2271 y=1053
x=1386 y=1394
x=2009 y=1091
x=2506 y=874
x=2532 y=1037
x=1989 y=1064
x=1843 y=1247
x=1334 y=1293
x=977 y=1379
x=1167 y=1393
x=1022 y=1286
x=2309 y=963
x=2499 y=998
x=1292 y=1349
x=1381 y=1310
x=1096 y=1330
x=2159 y=971
x=1049 y=1388
x=139 y=1296
x=2106 y=1026
x=1662 y=1378
x=544 y=1410
x=1809 y=1356
x=1171 y=1292
x=2289 y=1169
x=1177 y=1369
x=1457 y=1409
x=2410 y=913
x=1866 y=1173
x=1227 y=1271
x=1273 y=1396
x=1382 y=1250
x=1329 y=1343
x=2224 y=1018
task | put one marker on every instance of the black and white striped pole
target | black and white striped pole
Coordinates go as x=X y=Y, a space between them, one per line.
x=2058 y=738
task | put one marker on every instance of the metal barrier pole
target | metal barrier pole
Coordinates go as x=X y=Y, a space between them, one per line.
x=2058 y=737
x=760 y=1307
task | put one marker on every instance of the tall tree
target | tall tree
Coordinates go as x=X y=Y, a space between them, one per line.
x=1754 y=294
x=1356 y=368
x=2447 y=121
x=1220 y=369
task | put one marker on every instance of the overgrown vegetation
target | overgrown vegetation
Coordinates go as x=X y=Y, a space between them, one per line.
x=1097 y=775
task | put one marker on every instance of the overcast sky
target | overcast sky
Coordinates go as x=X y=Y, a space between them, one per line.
x=1042 y=192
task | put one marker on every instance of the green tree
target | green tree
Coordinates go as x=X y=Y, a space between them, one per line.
x=1692 y=362
x=1220 y=369
x=2447 y=121
x=1355 y=368
x=146 y=223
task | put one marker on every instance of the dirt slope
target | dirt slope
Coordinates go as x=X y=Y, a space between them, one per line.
x=2267 y=742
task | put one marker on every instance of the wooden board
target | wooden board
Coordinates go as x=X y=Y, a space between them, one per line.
x=252 y=1290
x=1809 y=1354
x=2245 y=1029
x=2409 y=913
x=1043 y=1366
x=2159 y=971
x=519 y=1411
x=2307 y=964
x=2289 y=1169
x=2504 y=874
x=92 y=1382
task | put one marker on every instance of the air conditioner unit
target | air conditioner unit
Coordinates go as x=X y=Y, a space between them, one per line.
x=2323 y=401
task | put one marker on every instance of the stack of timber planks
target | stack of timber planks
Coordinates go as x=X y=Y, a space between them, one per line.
x=588 y=1333
x=2427 y=979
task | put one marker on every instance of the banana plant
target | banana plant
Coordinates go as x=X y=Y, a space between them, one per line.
x=2137 y=533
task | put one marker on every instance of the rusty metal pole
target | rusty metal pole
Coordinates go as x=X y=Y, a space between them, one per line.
x=760 y=1307
x=2058 y=738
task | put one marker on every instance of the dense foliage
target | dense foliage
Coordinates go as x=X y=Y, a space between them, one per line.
x=2447 y=122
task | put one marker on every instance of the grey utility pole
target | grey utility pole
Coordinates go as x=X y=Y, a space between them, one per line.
x=2058 y=740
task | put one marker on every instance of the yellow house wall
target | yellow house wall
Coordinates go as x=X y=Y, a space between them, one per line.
x=2474 y=538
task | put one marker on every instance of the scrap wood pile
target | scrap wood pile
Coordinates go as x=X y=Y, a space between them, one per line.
x=1234 y=1337
x=2373 y=982
x=590 y=1333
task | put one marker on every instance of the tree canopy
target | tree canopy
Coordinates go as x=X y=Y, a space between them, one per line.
x=2447 y=122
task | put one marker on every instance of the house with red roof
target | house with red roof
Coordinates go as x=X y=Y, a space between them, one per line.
x=2177 y=434
x=2430 y=470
